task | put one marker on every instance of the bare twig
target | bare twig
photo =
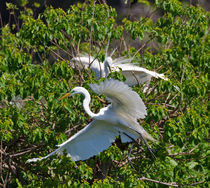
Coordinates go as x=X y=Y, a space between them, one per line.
x=101 y=100
x=135 y=77
x=185 y=153
x=71 y=129
x=150 y=90
x=156 y=97
x=29 y=150
x=141 y=48
x=91 y=32
x=183 y=72
x=56 y=54
x=173 y=184
x=1 y=159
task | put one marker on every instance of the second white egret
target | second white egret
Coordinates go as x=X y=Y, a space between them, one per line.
x=133 y=73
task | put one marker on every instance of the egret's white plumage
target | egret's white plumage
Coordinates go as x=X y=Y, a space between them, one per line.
x=133 y=73
x=118 y=118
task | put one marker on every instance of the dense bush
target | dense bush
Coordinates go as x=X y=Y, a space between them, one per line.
x=35 y=71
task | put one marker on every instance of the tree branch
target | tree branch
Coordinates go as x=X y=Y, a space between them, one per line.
x=173 y=184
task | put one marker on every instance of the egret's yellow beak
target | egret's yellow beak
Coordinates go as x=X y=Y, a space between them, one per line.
x=66 y=95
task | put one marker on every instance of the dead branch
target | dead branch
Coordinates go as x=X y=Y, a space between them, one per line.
x=173 y=184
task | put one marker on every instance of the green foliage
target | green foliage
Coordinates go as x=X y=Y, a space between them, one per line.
x=35 y=71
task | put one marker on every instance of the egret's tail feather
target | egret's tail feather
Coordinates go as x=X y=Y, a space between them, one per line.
x=148 y=136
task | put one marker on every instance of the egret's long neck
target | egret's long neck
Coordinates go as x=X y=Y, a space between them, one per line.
x=106 y=68
x=86 y=104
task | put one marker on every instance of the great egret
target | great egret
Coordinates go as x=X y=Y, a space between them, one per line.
x=118 y=118
x=134 y=74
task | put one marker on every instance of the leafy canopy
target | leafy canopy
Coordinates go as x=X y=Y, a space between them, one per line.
x=35 y=70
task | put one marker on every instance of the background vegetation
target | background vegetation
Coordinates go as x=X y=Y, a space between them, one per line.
x=35 y=70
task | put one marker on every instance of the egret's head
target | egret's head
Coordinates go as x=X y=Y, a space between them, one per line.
x=74 y=91
x=77 y=90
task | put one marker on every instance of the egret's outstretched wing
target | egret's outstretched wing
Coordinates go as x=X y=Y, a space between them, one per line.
x=135 y=74
x=124 y=100
x=94 y=138
x=85 y=62
x=122 y=60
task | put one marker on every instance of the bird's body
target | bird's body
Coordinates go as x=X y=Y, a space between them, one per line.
x=118 y=118
x=97 y=67
x=134 y=74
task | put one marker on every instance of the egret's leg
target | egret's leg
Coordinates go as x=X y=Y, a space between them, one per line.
x=145 y=142
x=129 y=137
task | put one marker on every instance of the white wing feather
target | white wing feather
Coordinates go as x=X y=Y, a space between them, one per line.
x=135 y=74
x=94 y=138
x=124 y=100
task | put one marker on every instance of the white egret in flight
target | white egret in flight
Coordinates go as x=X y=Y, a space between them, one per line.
x=118 y=118
x=134 y=74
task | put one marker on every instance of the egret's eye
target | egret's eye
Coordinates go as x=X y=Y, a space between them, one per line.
x=73 y=92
